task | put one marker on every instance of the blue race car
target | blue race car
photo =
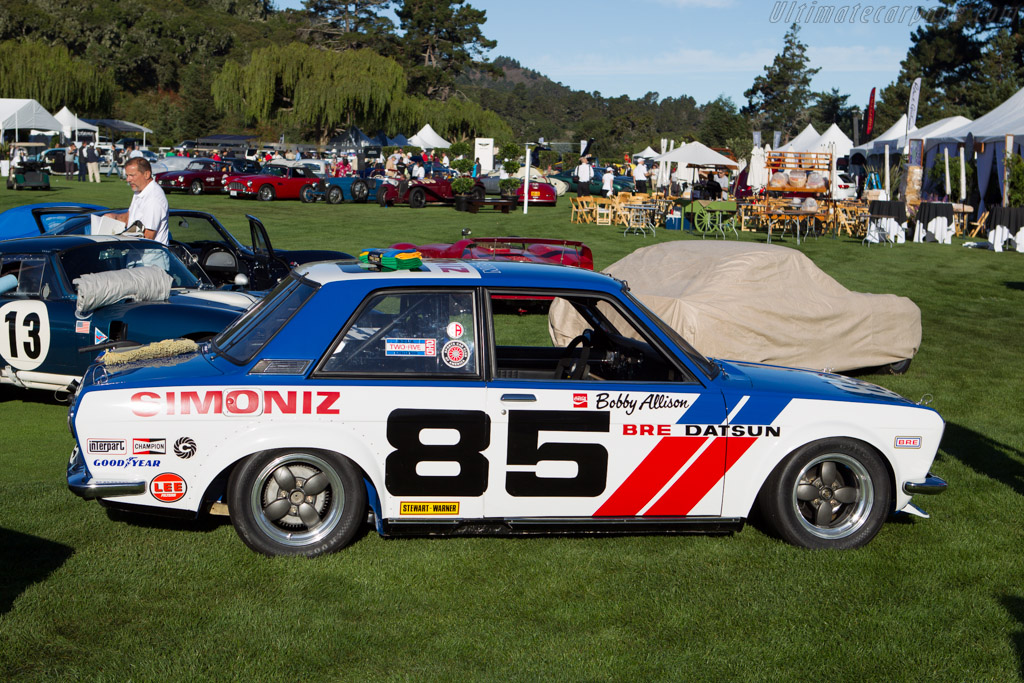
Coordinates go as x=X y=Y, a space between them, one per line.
x=347 y=189
x=353 y=389
x=139 y=292
x=29 y=220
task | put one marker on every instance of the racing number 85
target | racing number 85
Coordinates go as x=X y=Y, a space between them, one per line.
x=474 y=429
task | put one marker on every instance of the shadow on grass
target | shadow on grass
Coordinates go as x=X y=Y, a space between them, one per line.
x=9 y=392
x=24 y=561
x=139 y=518
x=1015 y=285
x=1014 y=604
x=985 y=456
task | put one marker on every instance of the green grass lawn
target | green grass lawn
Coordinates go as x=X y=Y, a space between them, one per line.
x=87 y=595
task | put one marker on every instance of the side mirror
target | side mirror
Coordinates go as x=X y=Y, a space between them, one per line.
x=241 y=280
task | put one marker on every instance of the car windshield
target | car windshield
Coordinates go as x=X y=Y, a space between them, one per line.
x=244 y=338
x=709 y=368
x=199 y=166
x=101 y=257
x=278 y=171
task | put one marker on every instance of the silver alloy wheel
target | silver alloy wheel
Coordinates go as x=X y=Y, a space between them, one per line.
x=833 y=496
x=297 y=499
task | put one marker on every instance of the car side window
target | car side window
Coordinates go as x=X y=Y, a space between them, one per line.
x=588 y=338
x=409 y=332
x=34 y=282
x=192 y=229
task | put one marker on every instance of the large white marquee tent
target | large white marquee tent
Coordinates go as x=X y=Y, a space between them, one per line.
x=21 y=114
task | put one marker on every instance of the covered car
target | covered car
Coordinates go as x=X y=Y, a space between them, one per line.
x=762 y=303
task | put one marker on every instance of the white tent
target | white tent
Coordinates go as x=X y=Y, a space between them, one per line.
x=646 y=154
x=696 y=154
x=428 y=138
x=938 y=129
x=71 y=124
x=891 y=134
x=833 y=140
x=18 y=114
x=797 y=144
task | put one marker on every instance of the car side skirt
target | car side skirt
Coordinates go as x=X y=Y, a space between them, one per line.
x=562 y=526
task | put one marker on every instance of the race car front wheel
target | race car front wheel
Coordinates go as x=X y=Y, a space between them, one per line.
x=196 y=187
x=307 y=194
x=266 y=193
x=296 y=502
x=829 y=494
x=417 y=198
x=334 y=195
x=359 y=191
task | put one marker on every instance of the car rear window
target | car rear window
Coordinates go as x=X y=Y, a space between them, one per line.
x=245 y=337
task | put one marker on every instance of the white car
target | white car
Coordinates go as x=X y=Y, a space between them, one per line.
x=847 y=187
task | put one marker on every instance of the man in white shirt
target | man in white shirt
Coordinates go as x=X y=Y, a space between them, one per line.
x=640 y=176
x=584 y=174
x=136 y=153
x=418 y=172
x=149 y=205
x=608 y=182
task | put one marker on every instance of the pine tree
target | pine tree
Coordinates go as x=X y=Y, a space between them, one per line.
x=350 y=24
x=779 y=99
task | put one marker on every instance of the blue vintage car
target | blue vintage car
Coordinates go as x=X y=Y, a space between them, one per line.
x=51 y=334
x=29 y=220
x=353 y=389
x=347 y=189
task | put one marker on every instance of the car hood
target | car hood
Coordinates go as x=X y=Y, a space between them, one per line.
x=240 y=300
x=154 y=372
x=801 y=383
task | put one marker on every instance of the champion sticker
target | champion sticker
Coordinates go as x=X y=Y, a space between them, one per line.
x=82 y=327
x=455 y=330
x=410 y=347
x=97 y=336
x=168 y=487
x=455 y=354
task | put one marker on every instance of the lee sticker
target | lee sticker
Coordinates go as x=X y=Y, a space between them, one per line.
x=410 y=347
x=455 y=354
x=455 y=330
x=419 y=508
x=168 y=487
x=25 y=340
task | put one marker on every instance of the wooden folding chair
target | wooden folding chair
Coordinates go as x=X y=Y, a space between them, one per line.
x=604 y=209
x=978 y=225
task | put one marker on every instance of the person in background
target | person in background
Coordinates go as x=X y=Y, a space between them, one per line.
x=69 y=162
x=418 y=172
x=82 y=164
x=93 y=161
x=445 y=161
x=476 y=168
x=640 y=176
x=584 y=174
x=136 y=153
x=149 y=204
x=607 y=182
x=115 y=161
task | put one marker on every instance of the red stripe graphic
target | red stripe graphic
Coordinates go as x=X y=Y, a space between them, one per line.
x=701 y=477
x=667 y=457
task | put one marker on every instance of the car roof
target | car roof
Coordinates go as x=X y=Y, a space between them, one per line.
x=489 y=273
x=55 y=243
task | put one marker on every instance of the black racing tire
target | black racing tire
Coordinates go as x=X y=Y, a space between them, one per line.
x=417 y=198
x=899 y=367
x=335 y=195
x=307 y=194
x=360 y=191
x=477 y=193
x=196 y=187
x=830 y=494
x=302 y=502
x=382 y=195
x=266 y=193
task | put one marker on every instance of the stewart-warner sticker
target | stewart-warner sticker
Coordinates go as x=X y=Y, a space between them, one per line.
x=149 y=446
x=410 y=347
x=455 y=354
x=421 y=508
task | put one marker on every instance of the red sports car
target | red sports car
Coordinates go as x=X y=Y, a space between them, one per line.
x=416 y=193
x=531 y=250
x=205 y=175
x=542 y=194
x=276 y=180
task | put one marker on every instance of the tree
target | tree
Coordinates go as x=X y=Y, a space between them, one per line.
x=317 y=89
x=350 y=24
x=722 y=122
x=779 y=99
x=831 y=107
x=50 y=75
x=441 y=40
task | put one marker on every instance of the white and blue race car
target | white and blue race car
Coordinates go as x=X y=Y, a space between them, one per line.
x=413 y=395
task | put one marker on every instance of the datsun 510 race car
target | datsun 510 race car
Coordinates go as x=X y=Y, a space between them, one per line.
x=352 y=389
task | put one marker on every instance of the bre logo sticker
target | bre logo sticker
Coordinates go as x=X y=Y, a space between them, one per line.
x=908 y=442
x=149 y=446
x=167 y=487
x=579 y=400
x=455 y=354
x=184 y=448
x=107 y=446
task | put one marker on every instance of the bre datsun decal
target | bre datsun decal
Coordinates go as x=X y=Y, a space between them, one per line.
x=907 y=442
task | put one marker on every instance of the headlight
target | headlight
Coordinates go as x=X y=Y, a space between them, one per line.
x=181 y=179
x=248 y=183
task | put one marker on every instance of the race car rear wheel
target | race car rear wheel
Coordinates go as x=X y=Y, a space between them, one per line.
x=196 y=187
x=266 y=193
x=335 y=195
x=296 y=502
x=417 y=198
x=477 y=193
x=829 y=494
x=382 y=195
x=307 y=194
x=360 y=191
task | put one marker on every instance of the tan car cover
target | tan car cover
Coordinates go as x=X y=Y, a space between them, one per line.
x=761 y=303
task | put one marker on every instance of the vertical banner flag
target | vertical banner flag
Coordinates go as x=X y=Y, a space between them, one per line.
x=870 y=121
x=776 y=139
x=757 y=138
x=915 y=92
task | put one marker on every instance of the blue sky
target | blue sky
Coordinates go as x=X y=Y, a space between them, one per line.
x=701 y=48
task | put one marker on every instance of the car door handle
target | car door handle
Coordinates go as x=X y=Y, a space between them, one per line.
x=518 y=398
